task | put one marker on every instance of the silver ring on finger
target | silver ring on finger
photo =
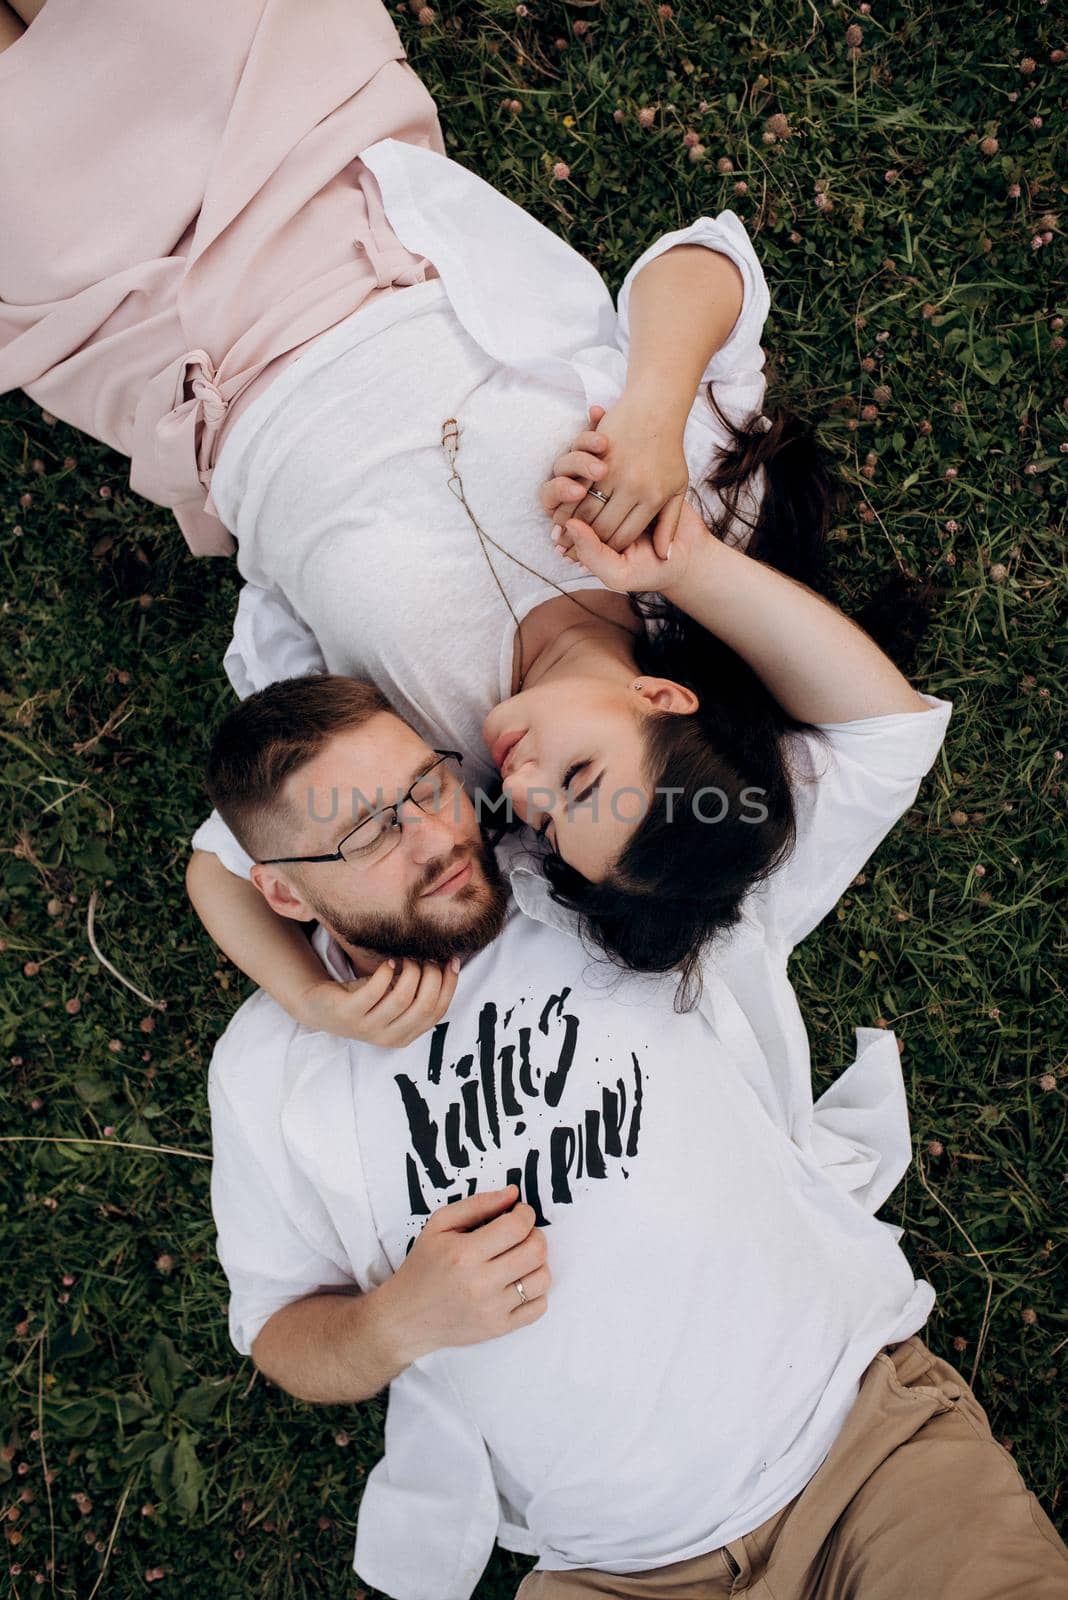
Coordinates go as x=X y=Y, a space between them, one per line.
x=520 y=1291
x=595 y=494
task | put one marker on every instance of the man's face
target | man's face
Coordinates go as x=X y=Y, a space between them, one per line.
x=430 y=891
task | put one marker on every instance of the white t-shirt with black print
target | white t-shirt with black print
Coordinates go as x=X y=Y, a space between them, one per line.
x=720 y=1281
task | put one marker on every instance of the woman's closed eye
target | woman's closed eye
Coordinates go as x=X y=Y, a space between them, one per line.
x=571 y=799
x=590 y=788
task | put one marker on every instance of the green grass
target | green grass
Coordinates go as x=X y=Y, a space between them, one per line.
x=918 y=294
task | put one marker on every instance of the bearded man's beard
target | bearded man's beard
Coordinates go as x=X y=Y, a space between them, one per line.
x=412 y=934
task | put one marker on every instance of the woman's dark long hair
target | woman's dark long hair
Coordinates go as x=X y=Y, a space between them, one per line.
x=722 y=815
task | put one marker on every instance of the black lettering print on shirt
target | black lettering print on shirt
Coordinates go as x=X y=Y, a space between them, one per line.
x=503 y=1088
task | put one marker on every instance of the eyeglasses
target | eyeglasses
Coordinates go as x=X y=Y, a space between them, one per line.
x=373 y=839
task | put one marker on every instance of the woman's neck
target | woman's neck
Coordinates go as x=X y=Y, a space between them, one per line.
x=602 y=625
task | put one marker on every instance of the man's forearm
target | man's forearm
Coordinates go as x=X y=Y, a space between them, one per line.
x=683 y=308
x=333 y=1349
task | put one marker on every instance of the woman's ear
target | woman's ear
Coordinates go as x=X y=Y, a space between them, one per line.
x=664 y=694
x=280 y=894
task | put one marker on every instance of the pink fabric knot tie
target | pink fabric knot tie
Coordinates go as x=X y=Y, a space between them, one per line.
x=188 y=436
x=177 y=425
x=213 y=406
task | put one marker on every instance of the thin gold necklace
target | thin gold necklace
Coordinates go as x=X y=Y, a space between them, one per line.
x=450 y=443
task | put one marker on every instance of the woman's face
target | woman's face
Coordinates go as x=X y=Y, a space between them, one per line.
x=571 y=757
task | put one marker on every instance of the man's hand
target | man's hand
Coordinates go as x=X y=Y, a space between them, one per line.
x=398 y=1002
x=456 y=1286
x=632 y=457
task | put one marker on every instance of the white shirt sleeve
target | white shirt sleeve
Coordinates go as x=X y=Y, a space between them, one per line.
x=269 y=643
x=275 y=1241
x=853 y=782
x=215 y=838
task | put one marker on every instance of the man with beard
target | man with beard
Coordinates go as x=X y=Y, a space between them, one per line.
x=420 y=910
x=726 y=1390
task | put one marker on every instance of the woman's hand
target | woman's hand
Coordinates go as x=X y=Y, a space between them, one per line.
x=639 y=569
x=635 y=459
x=398 y=1002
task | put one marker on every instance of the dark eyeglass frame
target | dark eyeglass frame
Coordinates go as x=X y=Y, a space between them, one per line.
x=394 y=806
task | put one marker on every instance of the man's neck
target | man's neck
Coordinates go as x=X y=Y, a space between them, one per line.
x=362 y=961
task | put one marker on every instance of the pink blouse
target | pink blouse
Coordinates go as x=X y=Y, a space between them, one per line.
x=184 y=209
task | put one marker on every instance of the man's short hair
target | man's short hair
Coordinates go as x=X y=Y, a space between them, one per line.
x=271 y=735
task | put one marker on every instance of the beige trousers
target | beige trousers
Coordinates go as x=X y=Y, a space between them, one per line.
x=916 y=1501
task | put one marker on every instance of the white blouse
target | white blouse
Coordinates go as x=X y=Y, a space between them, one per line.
x=334 y=481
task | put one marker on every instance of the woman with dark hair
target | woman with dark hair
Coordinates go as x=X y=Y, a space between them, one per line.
x=704 y=839
x=687 y=709
x=696 y=876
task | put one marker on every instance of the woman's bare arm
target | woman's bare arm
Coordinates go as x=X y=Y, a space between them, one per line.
x=394 y=1004
x=819 y=666
x=271 y=950
x=683 y=308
